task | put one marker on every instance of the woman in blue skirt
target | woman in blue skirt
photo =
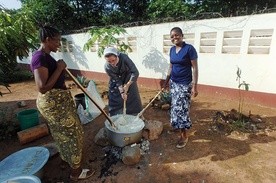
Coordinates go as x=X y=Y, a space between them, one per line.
x=183 y=77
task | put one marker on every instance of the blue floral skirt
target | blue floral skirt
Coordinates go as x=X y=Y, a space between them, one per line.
x=180 y=105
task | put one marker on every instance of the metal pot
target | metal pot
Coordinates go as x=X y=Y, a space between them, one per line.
x=125 y=133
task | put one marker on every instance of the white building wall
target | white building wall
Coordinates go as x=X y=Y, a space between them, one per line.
x=215 y=69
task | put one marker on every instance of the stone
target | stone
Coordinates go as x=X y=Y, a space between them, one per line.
x=131 y=155
x=255 y=119
x=152 y=129
x=21 y=104
x=260 y=125
x=101 y=138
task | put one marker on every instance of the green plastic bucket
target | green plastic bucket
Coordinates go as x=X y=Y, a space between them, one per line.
x=28 y=118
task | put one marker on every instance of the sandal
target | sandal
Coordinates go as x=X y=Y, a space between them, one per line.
x=83 y=175
x=182 y=144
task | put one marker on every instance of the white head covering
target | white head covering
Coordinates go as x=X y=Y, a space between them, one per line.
x=110 y=50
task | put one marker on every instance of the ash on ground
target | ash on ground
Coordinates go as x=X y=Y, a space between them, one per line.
x=144 y=146
x=113 y=154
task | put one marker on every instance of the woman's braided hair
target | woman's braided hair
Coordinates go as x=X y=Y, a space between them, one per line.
x=47 y=31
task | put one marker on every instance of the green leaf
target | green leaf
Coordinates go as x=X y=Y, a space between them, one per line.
x=106 y=37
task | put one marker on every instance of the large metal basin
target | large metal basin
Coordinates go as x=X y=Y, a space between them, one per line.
x=128 y=131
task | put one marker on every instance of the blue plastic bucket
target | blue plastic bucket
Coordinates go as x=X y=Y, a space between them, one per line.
x=26 y=162
x=28 y=118
x=23 y=179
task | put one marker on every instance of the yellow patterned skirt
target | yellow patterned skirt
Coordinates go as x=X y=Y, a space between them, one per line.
x=58 y=108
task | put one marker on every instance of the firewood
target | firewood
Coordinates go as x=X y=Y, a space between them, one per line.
x=32 y=134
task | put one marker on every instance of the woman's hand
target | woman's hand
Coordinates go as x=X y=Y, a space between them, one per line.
x=124 y=95
x=194 y=90
x=126 y=87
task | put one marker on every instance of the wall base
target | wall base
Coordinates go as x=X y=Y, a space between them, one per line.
x=264 y=99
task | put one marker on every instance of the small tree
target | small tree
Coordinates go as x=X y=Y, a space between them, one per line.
x=246 y=88
x=17 y=37
x=105 y=37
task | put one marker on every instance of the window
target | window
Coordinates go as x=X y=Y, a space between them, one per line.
x=208 y=42
x=189 y=38
x=260 y=41
x=167 y=43
x=94 y=47
x=70 y=46
x=232 y=42
x=132 y=42
x=66 y=46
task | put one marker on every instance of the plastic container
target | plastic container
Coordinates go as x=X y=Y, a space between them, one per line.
x=90 y=106
x=80 y=99
x=26 y=162
x=28 y=118
x=23 y=179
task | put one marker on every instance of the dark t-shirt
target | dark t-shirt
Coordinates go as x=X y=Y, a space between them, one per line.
x=181 y=63
x=124 y=71
x=42 y=59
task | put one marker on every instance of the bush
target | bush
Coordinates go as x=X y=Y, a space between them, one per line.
x=9 y=125
x=18 y=76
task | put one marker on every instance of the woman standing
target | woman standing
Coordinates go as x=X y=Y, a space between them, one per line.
x=56 y=104
x=183 y=77
x=123 y=75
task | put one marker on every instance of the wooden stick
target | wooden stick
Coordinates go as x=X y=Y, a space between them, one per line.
x=124 y=110
x=140 y=113
x=88 y=95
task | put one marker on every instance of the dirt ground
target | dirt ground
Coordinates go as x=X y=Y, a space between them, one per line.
x=211 y=156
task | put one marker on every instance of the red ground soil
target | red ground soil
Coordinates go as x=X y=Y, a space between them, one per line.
x=210 y=156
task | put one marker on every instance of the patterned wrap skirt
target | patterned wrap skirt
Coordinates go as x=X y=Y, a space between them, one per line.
x=180 y=105
x=58 y=108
